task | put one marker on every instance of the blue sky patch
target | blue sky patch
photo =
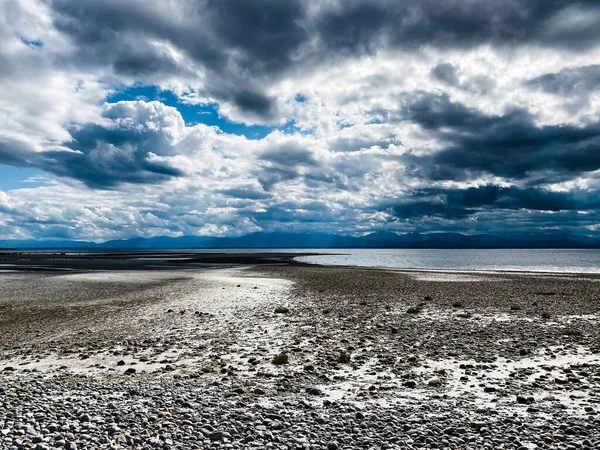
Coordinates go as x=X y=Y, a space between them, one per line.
x=35 y=43
x=12 y=178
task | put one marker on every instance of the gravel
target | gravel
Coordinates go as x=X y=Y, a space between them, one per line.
x=96 y=363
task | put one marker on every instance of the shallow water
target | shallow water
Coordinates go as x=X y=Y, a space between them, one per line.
x=526 y=260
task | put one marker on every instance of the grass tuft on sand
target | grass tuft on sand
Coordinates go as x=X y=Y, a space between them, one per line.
x=281 y=358
x=344 y=358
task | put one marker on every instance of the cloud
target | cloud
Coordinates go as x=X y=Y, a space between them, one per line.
x=401 y=116
x=249 y=192
x=569 y=81
x=126 y=148
x=460 y=203
x=446 y=73
x=575 y=88
x=509 y=145
x=254 y=102
x=238 y=48
x=227 y=43
x=362 y=25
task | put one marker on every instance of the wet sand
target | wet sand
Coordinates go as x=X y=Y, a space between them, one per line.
x=376 y=359
x=160 y=260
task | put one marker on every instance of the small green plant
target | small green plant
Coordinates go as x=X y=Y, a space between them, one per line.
x=571 y=332
x=414 y=309
x=457 y=305
x=515 y=307
x=282 y=310
x=281 y=358
x=546 y=315
x=344 y=358
x=464 y=315
x=524 y=351
x=428 y=298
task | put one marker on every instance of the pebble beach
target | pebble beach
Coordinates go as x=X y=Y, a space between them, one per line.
x=299 y=357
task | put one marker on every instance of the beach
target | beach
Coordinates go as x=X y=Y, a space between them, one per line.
x=281 y=355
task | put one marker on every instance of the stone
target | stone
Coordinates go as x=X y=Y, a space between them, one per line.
x=435 y=382
x=525 y=400
x=218 y=435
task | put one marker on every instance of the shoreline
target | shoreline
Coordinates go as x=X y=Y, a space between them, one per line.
x=133 y=260
x=459 y=271
x=184 y=359
x=51 y=261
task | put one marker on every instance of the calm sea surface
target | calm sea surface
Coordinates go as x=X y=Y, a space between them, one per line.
x=572 y=261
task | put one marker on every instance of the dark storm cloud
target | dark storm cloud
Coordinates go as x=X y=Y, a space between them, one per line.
x=253 y=102
x=14 y=152
x=236 y=40
x=460 y=203
x=243 y=44
x=260 y=34
x=567 y=82
x=103 y=156
x=144 y=61
x=509 y=145
x=362 y=25
x=267 y=31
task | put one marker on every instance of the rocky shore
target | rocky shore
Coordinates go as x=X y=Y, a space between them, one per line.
x=292 y=357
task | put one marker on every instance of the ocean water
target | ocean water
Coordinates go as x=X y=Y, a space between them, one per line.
x=545 y=260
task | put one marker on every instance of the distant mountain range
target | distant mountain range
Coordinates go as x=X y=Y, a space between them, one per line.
x=319 y=240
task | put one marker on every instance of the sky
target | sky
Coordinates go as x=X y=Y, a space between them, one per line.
x=127 y=118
